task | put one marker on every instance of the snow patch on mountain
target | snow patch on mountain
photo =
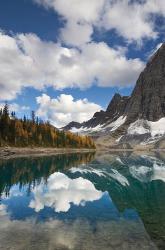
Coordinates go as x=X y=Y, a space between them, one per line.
x=158 y=128
x=86 y=130
x=116 y=124
x=101 y=127
x=141 y=127
x=118 y=139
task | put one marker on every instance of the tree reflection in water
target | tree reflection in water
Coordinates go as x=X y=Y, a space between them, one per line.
x=30 y=171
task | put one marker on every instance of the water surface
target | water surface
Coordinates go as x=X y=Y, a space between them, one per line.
x=83 y=201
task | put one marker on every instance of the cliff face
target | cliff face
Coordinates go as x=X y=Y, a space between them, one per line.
x=138 y=114
x=72 y=125
x=148 y=98
x=117 y=106
x=114 y=110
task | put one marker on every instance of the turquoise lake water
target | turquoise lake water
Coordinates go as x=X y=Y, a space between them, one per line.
x=83 y=202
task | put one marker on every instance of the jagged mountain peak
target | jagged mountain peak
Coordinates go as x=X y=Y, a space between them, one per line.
x=98 y=113
x=148 y=97
x=159 y=53
x=72 y=125
x=146 y=105
x=102 y=118
x=117 y=104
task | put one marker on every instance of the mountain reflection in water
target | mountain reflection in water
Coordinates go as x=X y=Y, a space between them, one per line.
x=83 y=201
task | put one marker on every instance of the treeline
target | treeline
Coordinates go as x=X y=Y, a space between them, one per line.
x=33 y=171
x=34 y=132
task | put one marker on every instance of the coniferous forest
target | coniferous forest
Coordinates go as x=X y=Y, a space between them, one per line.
x=34 y=132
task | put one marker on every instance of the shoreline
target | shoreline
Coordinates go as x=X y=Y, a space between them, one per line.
x=15 y=152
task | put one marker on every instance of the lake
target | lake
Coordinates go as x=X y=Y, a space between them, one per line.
x=83 y=202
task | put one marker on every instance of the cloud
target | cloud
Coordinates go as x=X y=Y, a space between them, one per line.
x=27 y=61
x=80 y=16
x=77 y=10
x=76 y=33
x=62 y=191
x=15 y=107
x=3 y=209
x=65 y=109
x=133 y=20
x=73 y=234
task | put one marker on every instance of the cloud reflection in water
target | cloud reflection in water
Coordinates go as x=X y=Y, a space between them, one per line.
x=61 y=192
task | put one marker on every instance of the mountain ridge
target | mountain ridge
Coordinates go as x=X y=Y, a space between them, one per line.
x=143 y=111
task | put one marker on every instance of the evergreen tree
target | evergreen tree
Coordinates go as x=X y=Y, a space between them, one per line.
x=34 y=132
x=33 y=116
x=6 y=110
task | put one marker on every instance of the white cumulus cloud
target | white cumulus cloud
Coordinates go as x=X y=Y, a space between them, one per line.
x=27 y=61
x=133 y=20
x=80 y=16
x=62 y=191
x=64 y=109
x=15 y=107
x=76 y=33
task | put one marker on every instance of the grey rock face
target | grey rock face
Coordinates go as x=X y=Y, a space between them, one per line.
x=114 y=110
x=97 y=119
x=117 y=106
x=147 y=100
x=72 y=125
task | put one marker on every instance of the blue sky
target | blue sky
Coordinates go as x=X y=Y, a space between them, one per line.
x=66 y=58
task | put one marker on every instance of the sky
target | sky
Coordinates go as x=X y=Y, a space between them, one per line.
x=65 y=59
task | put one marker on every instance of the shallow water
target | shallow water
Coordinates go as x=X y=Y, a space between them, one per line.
x=83 y=201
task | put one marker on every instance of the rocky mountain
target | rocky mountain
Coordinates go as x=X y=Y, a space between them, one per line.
x=148 y=98
x=136 y=119
x=102 y=119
